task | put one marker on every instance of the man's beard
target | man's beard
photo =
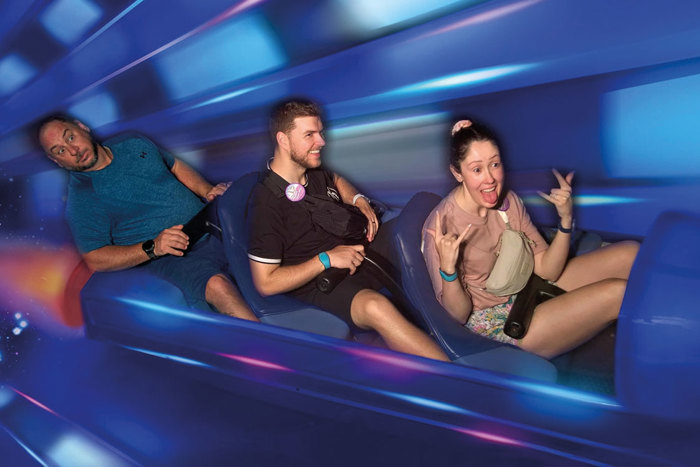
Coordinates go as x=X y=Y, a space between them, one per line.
x=303 y=160
x=91 y=163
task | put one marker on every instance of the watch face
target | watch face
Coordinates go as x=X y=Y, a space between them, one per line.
x=149 y=245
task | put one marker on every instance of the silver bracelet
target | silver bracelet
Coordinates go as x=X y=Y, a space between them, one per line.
x=359 y=195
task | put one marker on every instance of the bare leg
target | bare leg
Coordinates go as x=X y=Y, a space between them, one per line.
x=612 y=261
x=224 y=296
x=372 y=310
x=566 y=321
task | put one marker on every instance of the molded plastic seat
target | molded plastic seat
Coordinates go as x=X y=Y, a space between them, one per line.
x=657 y=354
x=460 y=344
x=279 y=310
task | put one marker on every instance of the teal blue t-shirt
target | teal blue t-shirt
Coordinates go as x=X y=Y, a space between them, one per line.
x=131 y=200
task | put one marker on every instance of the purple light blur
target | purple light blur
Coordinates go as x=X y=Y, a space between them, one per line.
x=256 y=362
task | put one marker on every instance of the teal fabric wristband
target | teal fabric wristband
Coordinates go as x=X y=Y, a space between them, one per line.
x=448 y=278
x=325 y=260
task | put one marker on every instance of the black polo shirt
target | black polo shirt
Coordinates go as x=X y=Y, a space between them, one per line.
x=281 y=230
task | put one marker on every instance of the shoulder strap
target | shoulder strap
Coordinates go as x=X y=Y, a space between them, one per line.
x=274 y=183
x=504 y=216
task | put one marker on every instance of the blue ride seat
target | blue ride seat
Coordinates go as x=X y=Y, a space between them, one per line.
x=657 y=354
x=461 y=345
x=279 y=310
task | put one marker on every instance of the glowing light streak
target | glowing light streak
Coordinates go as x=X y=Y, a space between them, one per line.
x=174 y=358
x=564 y=393
x=106 y=26
x=396 y=360
x=461 y=79
x=483 y=17
x=27 y=448
x=491 y=437
x=168 y=310
x=234 y=10
x=429 y=403
x=387 y=125
x=584 y=200
x=256 y=362
x=35 y=402
x=225 y=97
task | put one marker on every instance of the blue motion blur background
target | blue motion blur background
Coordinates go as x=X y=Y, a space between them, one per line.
x=609 y=89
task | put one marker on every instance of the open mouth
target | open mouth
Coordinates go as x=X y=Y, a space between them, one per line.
x=490 y=195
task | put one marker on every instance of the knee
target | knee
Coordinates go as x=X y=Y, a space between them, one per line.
x=370 y=308
x=611 y=292
x=627 y=251
x=217 y=285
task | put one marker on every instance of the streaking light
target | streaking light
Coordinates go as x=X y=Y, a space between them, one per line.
x=69 y=20
x=373 y=14
x=564 y=393
x=462 y=79
x=256 y=362
x=484 y=17
x=28 y=449
x=234 y=10
x=174 y=358
x=229 y=52
x=225 y=97
x=97 y=110
x=106 y=26
x=491 y=437
x=14 y=73
x=431 y=404
x=583 y=200
x=168 y=310
x=346 y=131
x=396 y=360
x=35 y=402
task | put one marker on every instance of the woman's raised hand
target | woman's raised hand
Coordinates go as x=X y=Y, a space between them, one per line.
x=561 y=197
x=447 y=246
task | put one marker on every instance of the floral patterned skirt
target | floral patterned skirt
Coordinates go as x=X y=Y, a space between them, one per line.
x=489 y=322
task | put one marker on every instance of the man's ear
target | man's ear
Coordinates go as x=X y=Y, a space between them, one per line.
x=456 y=175
x=282 y=140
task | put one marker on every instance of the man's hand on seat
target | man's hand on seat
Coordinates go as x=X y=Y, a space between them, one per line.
x=347 y=257
x=172 y=241
x=217 y=190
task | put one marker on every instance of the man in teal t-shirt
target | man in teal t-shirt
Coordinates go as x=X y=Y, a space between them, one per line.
x=127 y=202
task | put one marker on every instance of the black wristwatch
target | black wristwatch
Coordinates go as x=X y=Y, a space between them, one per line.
x=149 y=246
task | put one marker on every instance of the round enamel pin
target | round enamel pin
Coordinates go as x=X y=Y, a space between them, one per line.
x=295 y=192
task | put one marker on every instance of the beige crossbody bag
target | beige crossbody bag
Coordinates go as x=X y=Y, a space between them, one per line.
x=514 y=264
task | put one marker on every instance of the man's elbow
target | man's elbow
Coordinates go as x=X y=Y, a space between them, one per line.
x=264 y=288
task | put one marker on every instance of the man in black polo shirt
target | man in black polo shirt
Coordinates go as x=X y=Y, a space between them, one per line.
x=288 y=250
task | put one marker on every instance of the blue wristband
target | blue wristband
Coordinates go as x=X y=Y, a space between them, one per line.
x=448 y=277
x=325 y=260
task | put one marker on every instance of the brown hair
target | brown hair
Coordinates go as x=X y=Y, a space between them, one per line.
x=283 y=114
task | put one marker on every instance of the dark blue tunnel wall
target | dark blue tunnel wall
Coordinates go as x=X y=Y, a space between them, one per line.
x=563 y=84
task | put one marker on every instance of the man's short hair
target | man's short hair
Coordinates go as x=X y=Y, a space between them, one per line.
x=55 y=117
x=283 y=114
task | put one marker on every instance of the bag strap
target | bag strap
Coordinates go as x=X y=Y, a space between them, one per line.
x=276 y=184
x=504 y=216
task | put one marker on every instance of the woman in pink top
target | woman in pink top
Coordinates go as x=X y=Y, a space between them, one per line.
x=461 y=235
